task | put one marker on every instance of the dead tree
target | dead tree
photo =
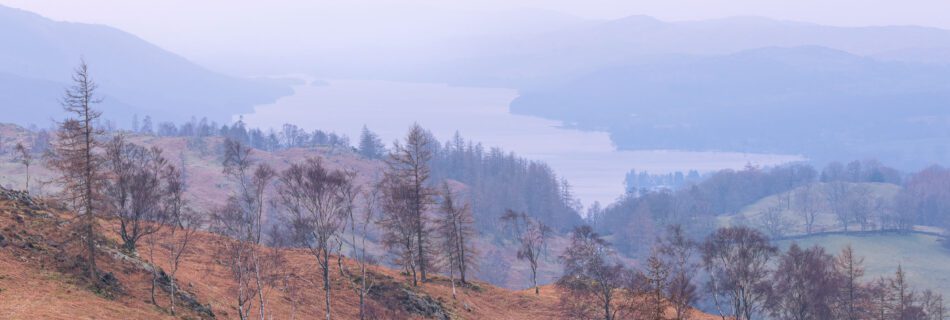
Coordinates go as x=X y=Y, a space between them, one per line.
x=313 y=197
x=455 y=230
x=74 y=155
x=532 y=237
x=135 y=189
x=25 y=157
x=409 y=166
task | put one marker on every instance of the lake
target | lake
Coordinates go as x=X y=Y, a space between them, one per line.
x=588 y=160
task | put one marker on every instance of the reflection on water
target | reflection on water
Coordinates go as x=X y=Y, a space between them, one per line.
x=587 y=159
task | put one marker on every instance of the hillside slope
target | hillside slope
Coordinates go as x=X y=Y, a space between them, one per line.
x=208 y=188
x=40 y=279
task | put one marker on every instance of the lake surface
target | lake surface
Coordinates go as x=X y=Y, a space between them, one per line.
x=588 y=160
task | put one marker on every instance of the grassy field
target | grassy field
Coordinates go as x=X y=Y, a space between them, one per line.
x=924 y=259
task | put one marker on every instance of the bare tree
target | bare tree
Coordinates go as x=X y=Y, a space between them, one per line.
x=836 y=192
x=851 y=270
x=242 y=219
x=657 y=276
x=805 y=283
x=737 y=261
x=933 y=306
x=532 y=237
x=74 y=156
x=882 y=300
x=312 y=195
x=188 y=224
x=773 y=221
x=135 y=189
x=809 y=205
x=859 y=202
x=409 y=165
x=679 y=252
x=904 y=297
x=175 y=187
x=398 y=224
x=359 y=230
x=594 y=282
x=455 y=228
x=231 y=221
x=25 y=157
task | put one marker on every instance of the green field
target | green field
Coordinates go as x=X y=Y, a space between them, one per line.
x=923 y=257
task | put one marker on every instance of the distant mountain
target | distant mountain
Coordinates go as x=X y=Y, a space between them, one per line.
x=820 y=102
x=557 y=56
x=135 y=77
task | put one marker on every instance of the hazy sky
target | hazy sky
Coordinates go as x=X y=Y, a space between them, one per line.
x=239 y=30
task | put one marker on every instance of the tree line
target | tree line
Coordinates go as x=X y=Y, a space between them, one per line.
x=497 y=180
x=739 y=273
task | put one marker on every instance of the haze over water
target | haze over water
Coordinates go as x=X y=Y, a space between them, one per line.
x=588 y=160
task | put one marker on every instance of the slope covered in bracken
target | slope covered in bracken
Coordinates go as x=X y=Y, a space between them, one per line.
x=41 y=278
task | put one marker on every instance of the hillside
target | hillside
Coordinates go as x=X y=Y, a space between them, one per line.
x=208 y=188
x=39 y=280
x=137 y=77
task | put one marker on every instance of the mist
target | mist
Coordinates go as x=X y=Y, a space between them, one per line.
x=531 y=159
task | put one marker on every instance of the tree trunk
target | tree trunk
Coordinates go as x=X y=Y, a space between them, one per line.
x=260 y=285
x=452 y=280
x=173 y=289
x=534 y=280
x=326 y=280
x=461 y=255
x=154 y=280
x=422 y=259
